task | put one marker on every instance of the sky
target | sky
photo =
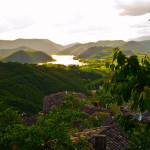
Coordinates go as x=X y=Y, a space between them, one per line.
x=70 y=21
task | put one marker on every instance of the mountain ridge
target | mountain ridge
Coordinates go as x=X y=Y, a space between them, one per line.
x=44 y=45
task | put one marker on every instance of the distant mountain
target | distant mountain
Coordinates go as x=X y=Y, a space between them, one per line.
x=30 y=57
x=92 y=51
x=70 y=45
x=76 y=49
x=105 y=52
x=5 y=52
x=108 y=43
x=138 y=46
x=80 y=48
x=142 y=38
x=146 y=44
x=44 y=45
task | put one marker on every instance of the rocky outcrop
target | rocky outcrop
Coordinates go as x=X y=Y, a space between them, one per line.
x=57 y=99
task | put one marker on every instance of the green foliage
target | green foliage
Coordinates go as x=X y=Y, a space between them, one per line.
x=127 y=78
x=52 y=131
x=130 y=81
x=10 y=123
x=104 y=99
x=138 y=133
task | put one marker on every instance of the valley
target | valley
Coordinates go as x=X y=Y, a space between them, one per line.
x=38 y=93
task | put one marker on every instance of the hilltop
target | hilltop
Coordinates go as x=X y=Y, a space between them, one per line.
x=31 y=57
x=5 y=52
x=44 y=45
x=92 y=51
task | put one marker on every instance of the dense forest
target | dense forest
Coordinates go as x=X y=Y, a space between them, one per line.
x=24 y=86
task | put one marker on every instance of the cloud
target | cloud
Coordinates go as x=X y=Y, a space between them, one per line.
x=83 y=29
x=141 y=25
x=135 y=9
x=14 y=23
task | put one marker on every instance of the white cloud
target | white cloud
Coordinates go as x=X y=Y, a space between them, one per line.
x=66 y=21
x=10 y=24
x=136 y=8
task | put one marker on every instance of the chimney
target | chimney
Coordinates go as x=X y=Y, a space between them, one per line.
x=100 y=142
x=98 y=108
x=14 y=147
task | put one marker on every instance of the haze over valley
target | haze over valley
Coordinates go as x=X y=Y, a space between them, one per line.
x=29 y=51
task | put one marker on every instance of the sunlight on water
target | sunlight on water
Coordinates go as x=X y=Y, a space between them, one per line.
x=65 y=60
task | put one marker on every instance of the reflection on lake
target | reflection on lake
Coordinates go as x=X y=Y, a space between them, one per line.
x=65 y=60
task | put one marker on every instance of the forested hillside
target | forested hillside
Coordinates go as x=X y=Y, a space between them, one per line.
x=24 y=86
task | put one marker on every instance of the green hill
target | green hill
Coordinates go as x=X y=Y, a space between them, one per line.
x=31 y=57
x=80 y=48
x=105 y=52
x=44 y=45
x=92 y=51
x=23 y=86
x=5 y=52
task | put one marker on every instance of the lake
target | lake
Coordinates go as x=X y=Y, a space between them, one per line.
x=65 y=60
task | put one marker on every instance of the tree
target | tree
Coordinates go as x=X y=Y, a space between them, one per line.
x=52 y=131
x=130 y=81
